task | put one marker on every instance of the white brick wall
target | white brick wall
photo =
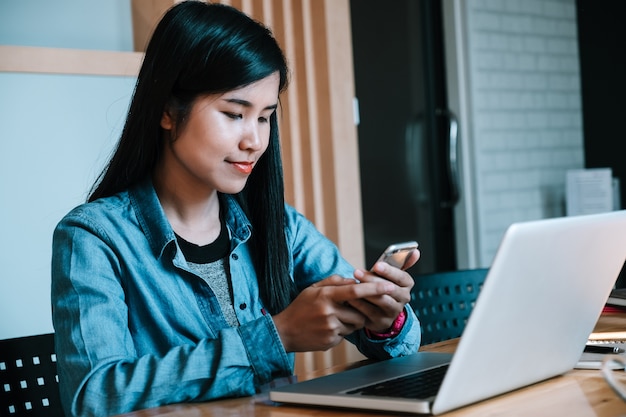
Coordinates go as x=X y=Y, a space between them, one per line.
x=525 y=109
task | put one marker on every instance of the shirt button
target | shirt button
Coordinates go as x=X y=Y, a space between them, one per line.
x=242 y=306
x=234 y=256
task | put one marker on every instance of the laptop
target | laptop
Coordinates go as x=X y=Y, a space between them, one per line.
x=541 y=299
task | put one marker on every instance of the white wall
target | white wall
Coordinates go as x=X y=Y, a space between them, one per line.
x=57 y=132
x=520 y=108
x=79 y=24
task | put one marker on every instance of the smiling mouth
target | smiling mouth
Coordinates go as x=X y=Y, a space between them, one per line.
x=243 y=167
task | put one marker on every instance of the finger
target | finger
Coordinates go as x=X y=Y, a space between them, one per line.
x=402 y=287
x=362 y=275
x=366 y=308
x=400 y=294
x=388 y=272
x=341 y=294
x=382 y=305
x=334 y=280
x=411 y=260
x=351 y=318
x=376 y=318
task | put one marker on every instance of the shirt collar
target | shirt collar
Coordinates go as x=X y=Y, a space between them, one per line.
x=157 y=228
x=151 y=216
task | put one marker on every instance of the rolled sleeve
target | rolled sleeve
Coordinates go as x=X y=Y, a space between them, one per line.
x=265 y=351
x=405 y=343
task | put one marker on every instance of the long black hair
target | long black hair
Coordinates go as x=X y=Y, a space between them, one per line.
x=197 y=49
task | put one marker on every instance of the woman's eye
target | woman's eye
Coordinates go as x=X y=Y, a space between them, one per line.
x=234 y=116
x=263 y=119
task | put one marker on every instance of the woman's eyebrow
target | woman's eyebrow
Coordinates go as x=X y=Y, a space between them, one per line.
x=246 y=103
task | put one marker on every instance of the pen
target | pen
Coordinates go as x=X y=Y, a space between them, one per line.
x=602 y=349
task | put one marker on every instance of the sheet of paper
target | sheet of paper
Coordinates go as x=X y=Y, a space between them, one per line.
x=589 y=191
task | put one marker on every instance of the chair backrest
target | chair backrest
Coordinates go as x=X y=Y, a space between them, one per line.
x=29 y=383
x=443 y=302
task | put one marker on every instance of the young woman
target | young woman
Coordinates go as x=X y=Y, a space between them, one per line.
x=186 y=277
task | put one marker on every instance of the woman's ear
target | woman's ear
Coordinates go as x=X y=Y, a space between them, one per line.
x=166 y=121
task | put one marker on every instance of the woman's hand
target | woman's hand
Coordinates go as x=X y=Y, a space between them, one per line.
x=381 y=310
x=321 y=315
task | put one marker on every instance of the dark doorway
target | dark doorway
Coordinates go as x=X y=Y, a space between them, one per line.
x=602 y=51
x=407 y=175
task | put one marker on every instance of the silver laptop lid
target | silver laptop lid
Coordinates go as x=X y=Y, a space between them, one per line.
x=542 y=297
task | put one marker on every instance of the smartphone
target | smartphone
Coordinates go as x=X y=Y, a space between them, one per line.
x=397 y=254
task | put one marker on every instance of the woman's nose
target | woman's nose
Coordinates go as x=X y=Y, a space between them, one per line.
x=252 y=137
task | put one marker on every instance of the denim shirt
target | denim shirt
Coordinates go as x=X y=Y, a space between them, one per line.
x=136 y=328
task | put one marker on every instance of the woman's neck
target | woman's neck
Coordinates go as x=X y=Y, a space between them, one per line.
x=193 y=214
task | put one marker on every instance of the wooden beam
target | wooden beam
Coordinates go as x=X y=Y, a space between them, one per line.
x=68 y=61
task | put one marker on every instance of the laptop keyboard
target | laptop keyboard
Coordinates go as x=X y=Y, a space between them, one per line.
x=423 y=384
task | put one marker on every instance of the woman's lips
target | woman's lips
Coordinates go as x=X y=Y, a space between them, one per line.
x=243 y=167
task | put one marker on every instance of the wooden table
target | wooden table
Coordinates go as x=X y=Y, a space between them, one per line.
x=581 y=393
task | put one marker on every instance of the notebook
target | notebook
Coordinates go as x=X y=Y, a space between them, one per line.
x=543 y=294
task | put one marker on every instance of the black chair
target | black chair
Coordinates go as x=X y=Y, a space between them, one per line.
x=443 y=302
x=29 y=385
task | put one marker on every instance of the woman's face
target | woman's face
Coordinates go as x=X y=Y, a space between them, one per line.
x=223 y=137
